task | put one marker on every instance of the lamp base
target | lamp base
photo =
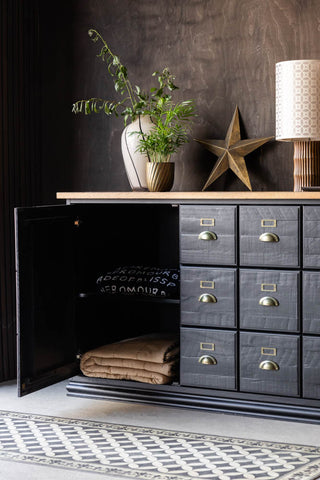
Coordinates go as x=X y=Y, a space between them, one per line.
x=306 y=160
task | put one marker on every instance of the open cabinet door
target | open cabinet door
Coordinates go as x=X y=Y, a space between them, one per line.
x=45 y=263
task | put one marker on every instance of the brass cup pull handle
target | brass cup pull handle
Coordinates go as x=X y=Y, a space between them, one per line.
x=207 y=360
x=269 y=365
x=269 y=237
x=206 y=235
x=268 y=302
x=207 y=298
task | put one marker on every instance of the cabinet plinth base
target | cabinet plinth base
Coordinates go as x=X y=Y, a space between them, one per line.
x=172 y=396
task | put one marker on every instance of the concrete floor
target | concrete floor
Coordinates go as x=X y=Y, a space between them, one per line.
x=54 y=401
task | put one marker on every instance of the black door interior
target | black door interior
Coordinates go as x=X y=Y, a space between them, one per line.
x=47 y=344
x=61 y=251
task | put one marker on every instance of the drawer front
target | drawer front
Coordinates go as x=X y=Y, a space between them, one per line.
x=269 y=300
x=269 y=236
x=208 y=297
x=311 y=237
x=311 y=302
x=311 y=367
x=208 y=358
x=208 y=235
x=281 y=352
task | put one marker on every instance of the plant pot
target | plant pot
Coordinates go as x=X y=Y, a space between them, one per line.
x=134 y=161
x=160 y=176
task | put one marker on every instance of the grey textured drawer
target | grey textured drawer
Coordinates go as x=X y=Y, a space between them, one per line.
x=269 y=300
x=208 y=296
x=208 y=358
x=311 y=302
x=311 y=237
x=269 y=363
x=208 y=235
x=311 y=367
x=269 y=236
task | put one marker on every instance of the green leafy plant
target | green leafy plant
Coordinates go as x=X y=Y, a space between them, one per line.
x=170 y=120
x=171 y=126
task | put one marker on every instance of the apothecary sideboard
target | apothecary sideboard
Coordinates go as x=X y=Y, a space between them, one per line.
x=248 y=315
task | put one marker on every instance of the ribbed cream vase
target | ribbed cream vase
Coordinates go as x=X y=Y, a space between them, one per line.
x=160 y=176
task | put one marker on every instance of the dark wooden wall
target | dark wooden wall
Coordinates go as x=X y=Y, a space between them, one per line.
x=223 y=53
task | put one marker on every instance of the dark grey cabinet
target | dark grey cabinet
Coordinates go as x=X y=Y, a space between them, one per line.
x=311 y=367
x=248 y=314
x=207 y=234
x=269 y=236
x=269 y=300
x=208 y=358
x=311 y=237
x=311 y=302
x=208 y=296
x=269 y=363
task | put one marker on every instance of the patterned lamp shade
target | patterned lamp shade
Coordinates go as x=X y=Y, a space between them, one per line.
x=298 y=100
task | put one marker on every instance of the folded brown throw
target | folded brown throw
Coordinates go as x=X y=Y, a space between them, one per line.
x=149 y=358
x=119 y=373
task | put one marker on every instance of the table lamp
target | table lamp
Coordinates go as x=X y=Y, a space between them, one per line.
x=298 y=117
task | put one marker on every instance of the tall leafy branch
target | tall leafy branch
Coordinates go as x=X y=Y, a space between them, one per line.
x=122 y=85
x=135 y=102
x=171 y=121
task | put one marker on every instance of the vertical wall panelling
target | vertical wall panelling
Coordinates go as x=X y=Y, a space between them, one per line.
x=19 y=150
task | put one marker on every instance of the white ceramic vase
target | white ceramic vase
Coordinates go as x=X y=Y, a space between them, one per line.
x=134 y=161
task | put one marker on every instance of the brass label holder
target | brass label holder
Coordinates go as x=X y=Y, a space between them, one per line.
x=206 y=284
x=269 y=351
x=268 y=222
x=268 y=287
x=207 y=346
x=207 y=222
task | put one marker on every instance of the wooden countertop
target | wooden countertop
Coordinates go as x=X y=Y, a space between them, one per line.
x=188 y=195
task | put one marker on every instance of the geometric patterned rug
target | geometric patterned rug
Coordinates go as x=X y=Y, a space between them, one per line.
x=149 y=453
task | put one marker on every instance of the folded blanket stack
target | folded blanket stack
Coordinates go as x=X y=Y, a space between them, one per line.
x=149 y=358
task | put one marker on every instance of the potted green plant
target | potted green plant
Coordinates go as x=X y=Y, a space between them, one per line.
x=169 y=133
x=158 y=126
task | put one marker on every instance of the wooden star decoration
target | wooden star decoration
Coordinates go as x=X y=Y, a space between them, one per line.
x=231 y=152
